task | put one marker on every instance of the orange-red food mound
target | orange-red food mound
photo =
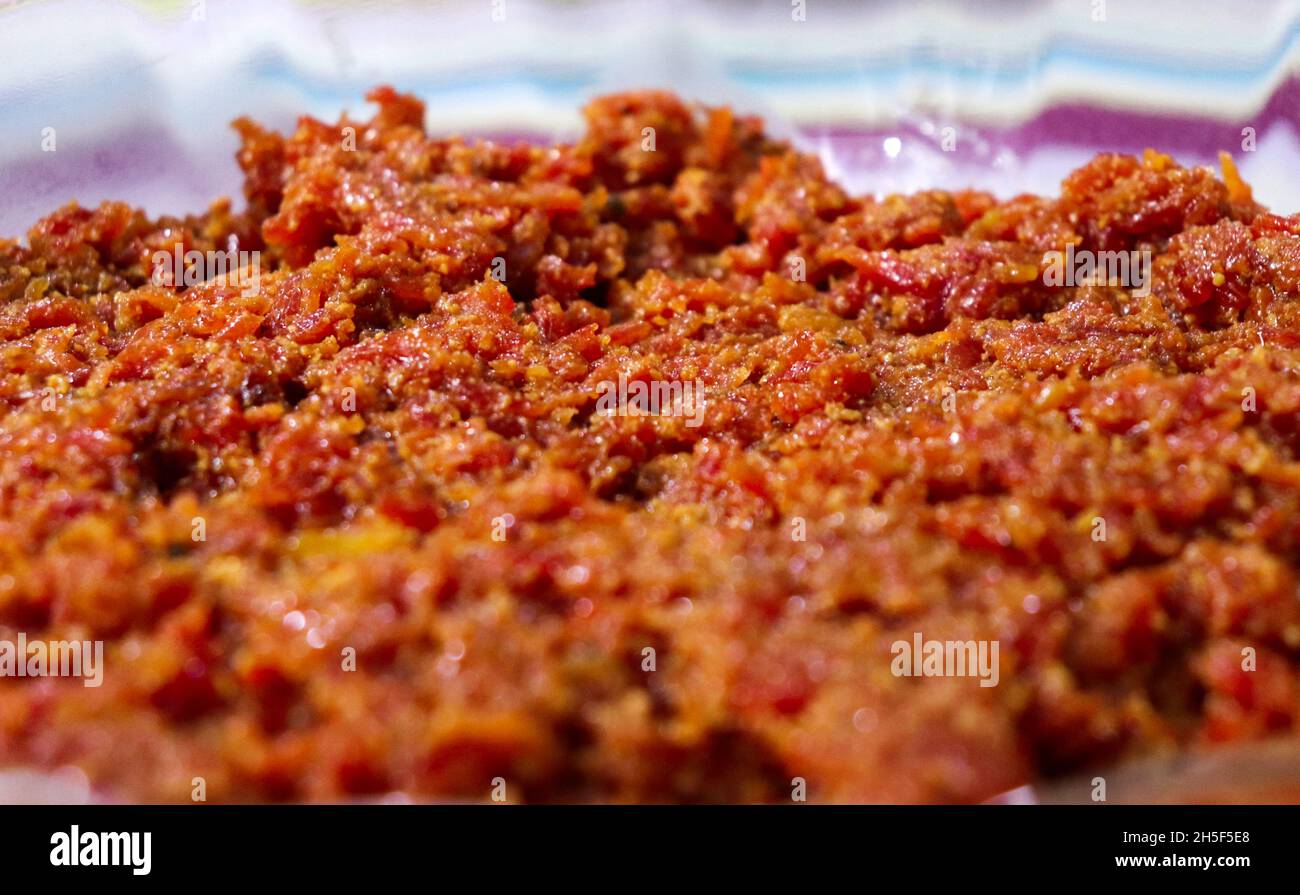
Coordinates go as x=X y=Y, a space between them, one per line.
x=277 y=506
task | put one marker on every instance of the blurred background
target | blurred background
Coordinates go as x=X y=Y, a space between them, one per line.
x=897 y=95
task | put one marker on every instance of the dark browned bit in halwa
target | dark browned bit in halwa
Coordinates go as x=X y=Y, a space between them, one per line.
x=904 y=430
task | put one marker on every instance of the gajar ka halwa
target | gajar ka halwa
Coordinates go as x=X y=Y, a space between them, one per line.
x=361 y=529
